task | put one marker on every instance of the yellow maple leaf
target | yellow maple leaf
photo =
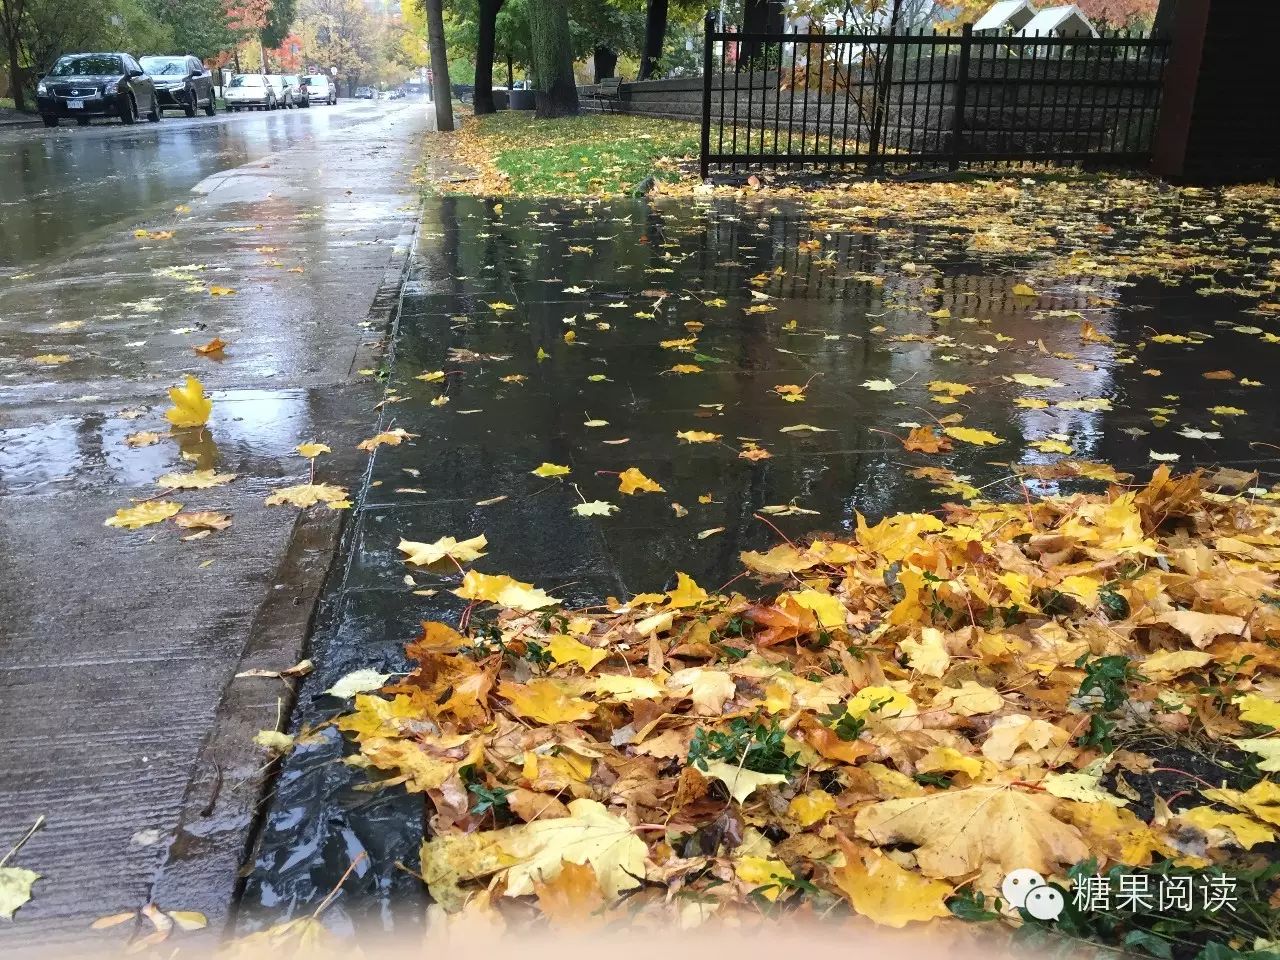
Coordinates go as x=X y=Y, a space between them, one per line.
x=1260 y=710
x=1050 y=445
x=697 y=436
x=425 y=554
x=631 y=481
x=708 y=689
x=390 y=438
x=686 y=368
x=309 y=494
x=195 y=480
x=687 y=592
x=216 y=291
x=764 y=874
x=1247 y=832
x=15 y=889
x=884 y=892
x=1023 y=290
x=949 y=760
x=312 y=450
x=504 y=591
x=545 y=700
x=949 y=388
x=573 y=898
x=550 y=470
x=1031 y=380
x=970 y=435
x=954 y=832
x=566 y=649
x=1262 y=800
x=741 y=782
x=880 y=385
x=214 y=346
x=829 y=610
x=51 y=359
x=144 y=514
x=590 y=834
x=191 y=408
x=808 y=808
x=1267 y=748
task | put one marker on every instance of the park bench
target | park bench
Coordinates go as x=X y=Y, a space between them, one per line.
x=608 y=92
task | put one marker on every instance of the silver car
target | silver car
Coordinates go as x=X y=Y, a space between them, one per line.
x=250 y=91
x=282 y=90
x=321 y=89
x=298 y=89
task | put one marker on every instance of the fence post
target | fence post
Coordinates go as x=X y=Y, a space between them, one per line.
x=961 y=91
x=712 y=21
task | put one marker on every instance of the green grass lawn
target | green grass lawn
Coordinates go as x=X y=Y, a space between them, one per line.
x=589 y=154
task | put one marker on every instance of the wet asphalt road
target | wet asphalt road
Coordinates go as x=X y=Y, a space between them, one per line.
x=63 y=184
x=118 y=648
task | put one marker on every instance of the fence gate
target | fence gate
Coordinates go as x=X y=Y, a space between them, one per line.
x=927 y=100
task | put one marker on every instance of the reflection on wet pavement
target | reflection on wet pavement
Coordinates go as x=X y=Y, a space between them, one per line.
x=61 y=184
x=119 y=646
x=589 y=335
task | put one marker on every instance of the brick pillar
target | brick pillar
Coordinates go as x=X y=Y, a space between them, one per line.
x=1222 y=87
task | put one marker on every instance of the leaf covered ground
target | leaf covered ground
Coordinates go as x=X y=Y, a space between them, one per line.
x=1027 y=669
x=915 y=712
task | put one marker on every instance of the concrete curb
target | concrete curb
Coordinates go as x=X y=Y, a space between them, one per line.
x=224 y=801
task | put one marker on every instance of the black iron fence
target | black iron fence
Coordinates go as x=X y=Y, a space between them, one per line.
x=927 y=100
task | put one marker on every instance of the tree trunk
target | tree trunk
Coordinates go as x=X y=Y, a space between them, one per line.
x=557 y=90
x=606 y=62
x=441 y=89
x=15 y=76
x=11 y=16
x=1165 y=17
x=760 y=16
x=484 y=56
x=655 y=35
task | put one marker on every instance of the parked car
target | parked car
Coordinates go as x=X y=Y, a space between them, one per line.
x=85 y=85
x=250 y=91
x=366 y=93
x=321 y=90
x=298 y=89
x=284 y=95
x=182 y=83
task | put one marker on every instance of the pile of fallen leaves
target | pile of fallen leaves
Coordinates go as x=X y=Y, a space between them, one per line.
x=913 y=714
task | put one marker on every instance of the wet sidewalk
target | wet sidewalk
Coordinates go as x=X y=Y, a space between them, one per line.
x=124 y=728
x=762 y=364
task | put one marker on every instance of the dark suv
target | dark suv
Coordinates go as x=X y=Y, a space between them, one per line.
x=84 y=85
x=182 y=83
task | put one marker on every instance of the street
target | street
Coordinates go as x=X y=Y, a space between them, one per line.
x=66 y=182
x=121 y=250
